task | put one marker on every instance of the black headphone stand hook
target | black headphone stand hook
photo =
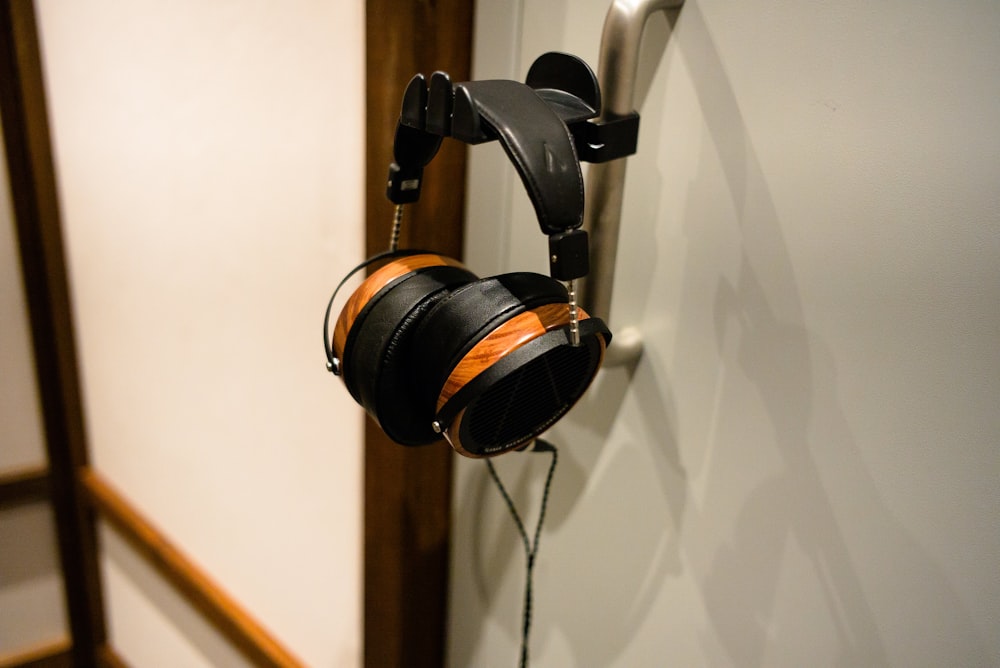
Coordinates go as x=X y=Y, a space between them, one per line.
x=563 y=81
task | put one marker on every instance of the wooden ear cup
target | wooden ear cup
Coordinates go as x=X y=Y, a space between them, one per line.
x=373 y=340
x=497 y=360
x=429 y=350
x=524 y=392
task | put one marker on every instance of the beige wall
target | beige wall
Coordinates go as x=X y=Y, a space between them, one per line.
x=209 y=158
x=802 y=469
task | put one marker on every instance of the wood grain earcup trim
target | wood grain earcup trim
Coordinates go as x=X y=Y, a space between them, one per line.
x=371 y=286
x=470 y=313
x=523 y=392
x=378 y=351
x=501 y=341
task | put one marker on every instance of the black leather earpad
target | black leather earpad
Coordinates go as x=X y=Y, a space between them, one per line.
x=378 y=351
x=524 y=392
x=469 y=313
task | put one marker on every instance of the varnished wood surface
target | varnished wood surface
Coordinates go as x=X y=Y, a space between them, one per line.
x=58 y=654
x=25 y=486
x=50 y=655
x=107 y=657
x=452 y=432
x=221 y=610
x=408 y=490
x=506 y=338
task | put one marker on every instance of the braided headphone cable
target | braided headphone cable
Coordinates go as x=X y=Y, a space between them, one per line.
x=530 y=546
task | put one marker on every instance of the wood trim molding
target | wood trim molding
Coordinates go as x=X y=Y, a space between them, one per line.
x=50 y=655
x=39 y=231
x=24 y=486
x=219 y=608
x=58 y=655
x=407 y=491
x=107 y=657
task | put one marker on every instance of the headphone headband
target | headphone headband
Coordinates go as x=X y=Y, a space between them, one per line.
x=536 y=123
x=535 y=139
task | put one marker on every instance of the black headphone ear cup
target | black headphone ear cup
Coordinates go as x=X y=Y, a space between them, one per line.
x=496 y=361
x=523 y=391
x=377 y=354
x=470 y=312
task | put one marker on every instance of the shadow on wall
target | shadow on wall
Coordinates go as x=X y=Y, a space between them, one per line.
x=649 y=550
x=627 y=529
x=795 y=377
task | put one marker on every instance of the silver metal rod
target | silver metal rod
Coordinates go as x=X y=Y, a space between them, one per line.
x=617 y=66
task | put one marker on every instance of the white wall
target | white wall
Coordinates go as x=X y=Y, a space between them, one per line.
x=803 y=467
x=209 y=157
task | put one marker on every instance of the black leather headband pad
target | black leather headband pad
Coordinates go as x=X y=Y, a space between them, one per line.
x=536 y=141
x=460 y=320
x=378 y=351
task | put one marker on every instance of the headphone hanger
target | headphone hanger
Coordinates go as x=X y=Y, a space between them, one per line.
x=544 y=126
x=564 y=82
x=431 y=350
x=437 y=109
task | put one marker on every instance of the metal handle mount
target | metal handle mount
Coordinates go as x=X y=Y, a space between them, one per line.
x=616 y=73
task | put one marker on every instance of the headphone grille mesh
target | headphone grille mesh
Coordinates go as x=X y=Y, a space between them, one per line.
x=528 y=401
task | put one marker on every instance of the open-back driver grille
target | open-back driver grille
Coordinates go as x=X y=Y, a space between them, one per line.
x=529 y=400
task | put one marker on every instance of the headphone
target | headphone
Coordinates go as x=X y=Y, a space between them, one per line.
x=432 y=351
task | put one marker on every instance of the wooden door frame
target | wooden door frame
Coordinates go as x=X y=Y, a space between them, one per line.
x=407 y=491
x=35 y=203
